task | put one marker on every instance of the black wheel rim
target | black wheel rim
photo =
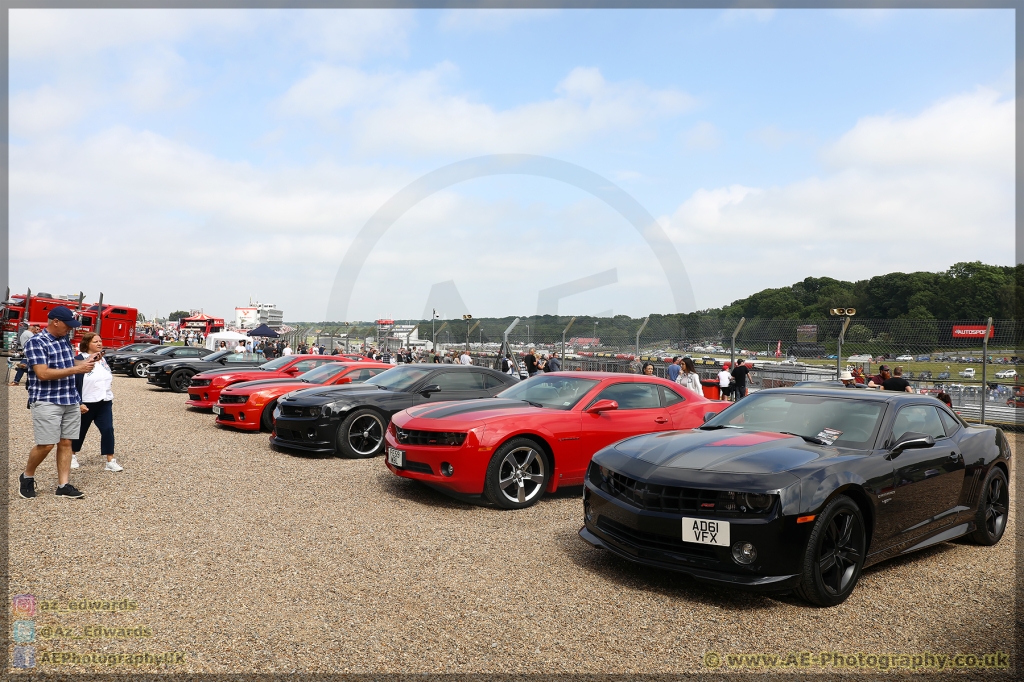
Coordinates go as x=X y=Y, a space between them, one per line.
x=365 y=435
x=996 y=507
x=521 y=475
x=840 y=555
x=182 y=382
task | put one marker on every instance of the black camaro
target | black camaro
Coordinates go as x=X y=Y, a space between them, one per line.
x=138 y=364
x=176 y=373
x=351 y=419
x=799 y=489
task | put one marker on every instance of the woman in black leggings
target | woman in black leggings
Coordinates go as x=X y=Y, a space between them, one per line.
x=97 y=402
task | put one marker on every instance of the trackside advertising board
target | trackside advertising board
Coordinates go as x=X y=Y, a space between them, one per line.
x=971 y=331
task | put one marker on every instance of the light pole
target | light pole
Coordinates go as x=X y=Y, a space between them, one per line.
x=527 y=337
x=433 y=334
x=595 y=335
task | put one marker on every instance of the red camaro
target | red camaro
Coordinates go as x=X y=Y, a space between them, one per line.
x=250 y=405
x=206 y=386
x=536 y=435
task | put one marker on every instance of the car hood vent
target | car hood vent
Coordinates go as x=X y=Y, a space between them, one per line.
x=709 y=451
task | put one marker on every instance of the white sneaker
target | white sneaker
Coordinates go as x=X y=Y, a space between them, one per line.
x=74 y=461
x=112 y=465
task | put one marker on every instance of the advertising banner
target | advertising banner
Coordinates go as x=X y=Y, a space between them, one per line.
x=807 y=333
x=971 y=331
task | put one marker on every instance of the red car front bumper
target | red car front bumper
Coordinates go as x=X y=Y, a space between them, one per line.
x=244 y=416
x=423 y=463
x=204 y=396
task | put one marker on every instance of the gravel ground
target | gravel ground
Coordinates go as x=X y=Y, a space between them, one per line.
x=250 y=560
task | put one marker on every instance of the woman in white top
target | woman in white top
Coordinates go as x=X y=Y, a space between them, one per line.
x=688 y=377
x=97 y=395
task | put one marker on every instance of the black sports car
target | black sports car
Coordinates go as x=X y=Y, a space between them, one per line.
x=138 y=364
x=799 y=489
x=351 y=419
x=176 y=373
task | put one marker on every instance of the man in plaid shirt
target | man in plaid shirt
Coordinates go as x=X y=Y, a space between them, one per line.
x=54 y=400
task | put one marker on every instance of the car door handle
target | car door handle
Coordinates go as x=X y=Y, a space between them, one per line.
x=661 y=420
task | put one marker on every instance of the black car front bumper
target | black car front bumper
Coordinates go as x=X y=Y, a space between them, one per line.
x=158 y=377
x=655 y=539
x=309 y=435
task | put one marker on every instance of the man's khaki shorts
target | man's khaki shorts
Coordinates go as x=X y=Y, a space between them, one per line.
x=52 y=423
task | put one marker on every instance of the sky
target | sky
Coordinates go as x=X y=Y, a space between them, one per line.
x=200 y=159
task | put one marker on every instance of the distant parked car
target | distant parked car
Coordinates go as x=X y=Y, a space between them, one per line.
x=943 y=375
x=831 y=357
x=967 y=373
x=924 y=358
x=926 y=374
x=1007 y=374
x=904 y=358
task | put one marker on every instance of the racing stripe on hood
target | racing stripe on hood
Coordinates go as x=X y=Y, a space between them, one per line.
x=467 y=407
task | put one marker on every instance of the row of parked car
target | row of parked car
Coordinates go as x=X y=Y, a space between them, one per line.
x=788 y=489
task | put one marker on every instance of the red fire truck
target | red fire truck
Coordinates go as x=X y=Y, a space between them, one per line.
x=116 y=322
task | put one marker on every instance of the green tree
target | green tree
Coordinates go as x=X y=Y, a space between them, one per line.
x=177 y=315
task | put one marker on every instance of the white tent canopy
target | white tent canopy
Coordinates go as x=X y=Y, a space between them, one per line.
x=213 y=340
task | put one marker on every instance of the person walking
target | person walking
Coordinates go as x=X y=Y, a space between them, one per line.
x=688 y=376
x=531 y=363
x=54 y=401
x=32 y=330
x=465 y=359
x=672 y=371
x=739 y=373
x=287 y=349
x=96 y=392
x=724 y=381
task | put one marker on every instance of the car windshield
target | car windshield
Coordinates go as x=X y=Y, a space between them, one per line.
x=212 y=357
x=322 y=373
x=557 y=391
x=399 y=378
x=162 y=350
x=277 y=363
x=846 y=422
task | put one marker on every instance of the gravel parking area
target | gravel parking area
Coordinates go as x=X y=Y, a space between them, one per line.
x=247 y=559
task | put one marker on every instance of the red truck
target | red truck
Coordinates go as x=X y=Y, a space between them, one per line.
x=117 y=323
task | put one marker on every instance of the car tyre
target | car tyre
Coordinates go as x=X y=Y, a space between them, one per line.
x=992 y=509
x=517 y=474
x=180 y=381
x=361 y=434
x=834 y=555
x=267 y=418
x=140 y=370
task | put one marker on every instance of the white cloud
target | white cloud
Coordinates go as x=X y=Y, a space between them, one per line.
x=489 y=19
x=418 y=112
x=703 y=136
x=46 y=109
x=352 y=34
x=775 y=139
x=901 y=193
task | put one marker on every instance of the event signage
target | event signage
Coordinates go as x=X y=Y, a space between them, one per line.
x=971 y=331
x=807 y=333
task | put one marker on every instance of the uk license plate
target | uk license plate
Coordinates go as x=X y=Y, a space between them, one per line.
x=216 y=409
x=706 y=532
x=396 y=457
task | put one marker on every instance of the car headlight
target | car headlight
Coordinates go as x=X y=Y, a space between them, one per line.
x=337 y=407
x=168 y=370
x=755 y=503
x=313 y=411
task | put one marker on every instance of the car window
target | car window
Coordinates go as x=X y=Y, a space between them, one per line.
x=670 y=397
x=364 y=374
x=241 y=357
x=458 y=381
x=556 y=391
x=921 y=419
x=949 y=422
x=306 y=365
x=190 y=353
x=632 y=396
x=491 y=381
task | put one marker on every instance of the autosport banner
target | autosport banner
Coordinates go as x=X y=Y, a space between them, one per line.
x=971 y=331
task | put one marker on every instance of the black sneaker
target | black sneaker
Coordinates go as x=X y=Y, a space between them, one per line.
x=28 y=487
x=69 y=491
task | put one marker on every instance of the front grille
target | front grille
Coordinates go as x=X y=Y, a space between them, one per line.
x=233 y=399
x=225 y=417
x=418 y=467
x=653 y=541
x=673 y=499
x=201 y=382
x=411 y=437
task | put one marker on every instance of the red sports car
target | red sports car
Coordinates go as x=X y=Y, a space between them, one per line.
x=206 y=386
x=250 y=405
x=536 y=435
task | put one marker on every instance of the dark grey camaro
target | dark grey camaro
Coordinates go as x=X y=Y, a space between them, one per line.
x=800 y=489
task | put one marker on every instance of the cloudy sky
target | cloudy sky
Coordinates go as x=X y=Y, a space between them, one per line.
x=195 y=159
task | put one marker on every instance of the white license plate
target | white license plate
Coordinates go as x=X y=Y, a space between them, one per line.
x=396 y=457
x=706 y=532
x=216 y=409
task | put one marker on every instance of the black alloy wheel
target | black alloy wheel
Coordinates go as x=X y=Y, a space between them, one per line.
x=267 y=418
x=140 y=370
x=992 y=509
x=517 y=474
x=361 y=434
x=834 y=555
x=181 y=380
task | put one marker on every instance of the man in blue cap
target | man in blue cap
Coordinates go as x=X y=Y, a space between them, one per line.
x=53 y=399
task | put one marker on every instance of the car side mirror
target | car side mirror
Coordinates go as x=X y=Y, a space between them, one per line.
x=912 y=441
x=604 y=405
x=432 y=388
x=708 y=416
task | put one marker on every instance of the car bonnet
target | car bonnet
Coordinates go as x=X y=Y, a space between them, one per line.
x=726 y=451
